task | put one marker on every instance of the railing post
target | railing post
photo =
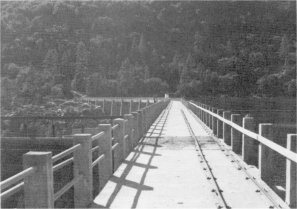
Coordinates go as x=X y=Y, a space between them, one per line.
x=129 y=142
x=291 y=169
x=207 y=116
x=214 y=122
x=105 y=166
x=210 y=118
x=38 y=188
x=139 y=104
x=220 y=124
x=143 y=110
x=201 y=112
x=140 y=123
x=103 y=106
x=204 y=115
x=147 y=117
x=227 y=128
x=118 y=134
x=135 y=126
x=121 y=108
x=236 y=136
x=265 y=153
x=111 y=108
x=83 y=189
x=249 y=145
x=147 y=103
x=130 y=106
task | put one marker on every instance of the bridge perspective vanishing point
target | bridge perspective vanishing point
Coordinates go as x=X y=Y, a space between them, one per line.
x=166 y=154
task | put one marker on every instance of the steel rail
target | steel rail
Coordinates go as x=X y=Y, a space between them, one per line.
x=240 y=165
x=221 y=200
x=263 y=190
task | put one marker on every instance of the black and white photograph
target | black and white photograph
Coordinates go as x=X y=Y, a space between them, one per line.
x=148 y=104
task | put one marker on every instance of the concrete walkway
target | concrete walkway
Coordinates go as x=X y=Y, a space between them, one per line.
x=164 y=171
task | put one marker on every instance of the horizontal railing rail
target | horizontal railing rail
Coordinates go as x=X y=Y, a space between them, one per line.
x=106 y=146
x=97 y=136
x=65 y=153
x=63 y=164
x=275 y=163
x=115 y=126
x=17 y=177
x=67 y=187
x=59 y=117
x=122 y=98
x=272 y=145
x=95 y=162
x=12 y=191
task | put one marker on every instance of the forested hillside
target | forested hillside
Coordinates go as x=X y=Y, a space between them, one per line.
x=100 y=48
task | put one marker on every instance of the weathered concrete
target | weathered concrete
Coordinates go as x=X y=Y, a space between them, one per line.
x=82 y=166
x=164 y=171
x=39 y=185
x=250 y=146
x=291 y=190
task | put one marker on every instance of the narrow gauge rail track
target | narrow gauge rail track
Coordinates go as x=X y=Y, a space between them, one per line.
x=239 y=165
x=217 y=191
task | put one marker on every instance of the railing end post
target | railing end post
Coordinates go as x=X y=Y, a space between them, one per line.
x=291 y=190
x=83 y=189
x=39 y=188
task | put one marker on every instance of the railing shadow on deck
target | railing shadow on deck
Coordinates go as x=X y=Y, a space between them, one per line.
x=147 y=140
x=112 y=143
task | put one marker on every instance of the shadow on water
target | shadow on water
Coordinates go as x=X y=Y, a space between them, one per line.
x=151 y=139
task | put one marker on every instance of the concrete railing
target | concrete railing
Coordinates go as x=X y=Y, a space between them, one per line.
x=150 y=99
x=241 y=136
x=120 y=106
x=103 y=148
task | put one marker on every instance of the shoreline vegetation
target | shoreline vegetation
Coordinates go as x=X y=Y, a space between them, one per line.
x=52 y=49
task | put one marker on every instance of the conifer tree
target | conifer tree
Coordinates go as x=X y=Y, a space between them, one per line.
x=82 y=57
x=50 y=62
x=146 y=73
x=185 y=76
x=125 y=77
x=284 y=49
x=81 y=67
x=143 y=50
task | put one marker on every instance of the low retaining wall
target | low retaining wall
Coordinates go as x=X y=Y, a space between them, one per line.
x=72 y=168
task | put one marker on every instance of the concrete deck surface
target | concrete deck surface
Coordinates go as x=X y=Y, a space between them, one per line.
x=164 y=171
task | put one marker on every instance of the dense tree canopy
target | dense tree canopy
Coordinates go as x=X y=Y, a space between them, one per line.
x=103 y=48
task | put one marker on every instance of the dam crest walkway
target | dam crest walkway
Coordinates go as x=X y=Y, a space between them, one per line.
x=179 y=163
